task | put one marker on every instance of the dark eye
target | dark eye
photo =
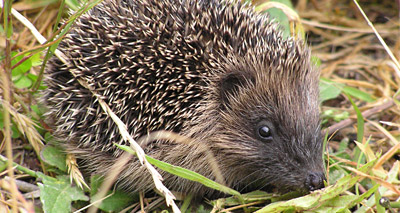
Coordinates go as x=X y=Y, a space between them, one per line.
x=264 y=132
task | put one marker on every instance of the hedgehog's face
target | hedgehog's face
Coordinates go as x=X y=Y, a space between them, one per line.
x=271 y=123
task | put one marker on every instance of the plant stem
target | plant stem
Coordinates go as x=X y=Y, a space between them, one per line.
x=6 y=79
x=19 y=167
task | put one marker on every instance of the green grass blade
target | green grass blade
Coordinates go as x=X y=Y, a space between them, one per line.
x=185 y=173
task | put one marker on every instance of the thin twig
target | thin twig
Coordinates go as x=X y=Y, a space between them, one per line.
x=338 y=28
x=365 y=114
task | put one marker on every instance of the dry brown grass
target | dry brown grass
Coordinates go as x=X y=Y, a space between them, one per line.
x=351 y=54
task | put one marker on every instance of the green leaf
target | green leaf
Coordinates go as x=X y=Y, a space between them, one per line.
x=23 y=82
x=278 y=15
x=37 y=110
x=23 y=67
x=185 y=173
x=253 y=196
x=34 y=78
x=54 y=46
x=15 y=132
x=329 y=89
x=338 y=203
x=48 y=137
x=367 y=194
x=190 y=175
x=336 y=174
x=36 y=60
x=358 y=94
x=334 y=114
x=14 y=129
x=116 y=200
x=56 y=195
x=54 y=157
x=318 y=198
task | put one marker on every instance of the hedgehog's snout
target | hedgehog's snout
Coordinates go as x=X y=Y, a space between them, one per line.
x=315 y=180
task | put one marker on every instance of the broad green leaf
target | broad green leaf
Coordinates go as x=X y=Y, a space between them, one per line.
x=23 y=82
x=56 y=195
x=21 y=68
x=33 y=77
x=116 y=200
x=54 y=156
x=15 y=132
x=35 y=108
x=48 y=136
x=281 y=18
x=328 y=89
x=278 y=15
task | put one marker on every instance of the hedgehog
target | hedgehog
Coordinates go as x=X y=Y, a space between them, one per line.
x=214 y=71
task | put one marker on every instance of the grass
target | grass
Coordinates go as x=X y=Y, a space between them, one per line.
x=360 y=112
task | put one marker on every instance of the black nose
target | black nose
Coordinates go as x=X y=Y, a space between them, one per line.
x=315 y=181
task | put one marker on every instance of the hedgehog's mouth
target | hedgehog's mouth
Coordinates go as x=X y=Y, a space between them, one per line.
x=314 y=181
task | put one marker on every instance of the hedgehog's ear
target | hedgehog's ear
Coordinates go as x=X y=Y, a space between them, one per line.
x=229 y=87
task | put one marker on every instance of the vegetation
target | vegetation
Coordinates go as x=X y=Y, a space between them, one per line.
x=360 y=115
